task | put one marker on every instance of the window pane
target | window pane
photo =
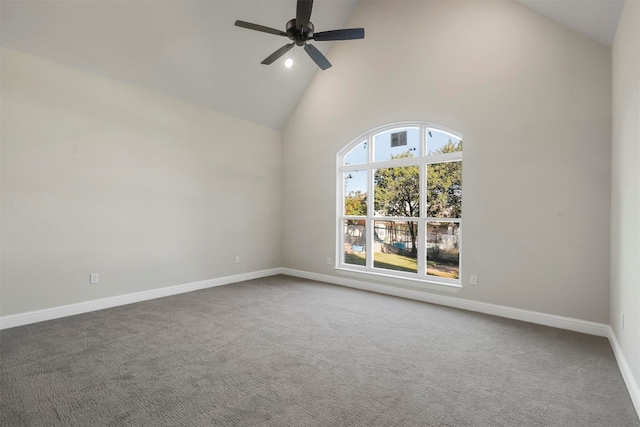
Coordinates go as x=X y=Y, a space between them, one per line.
x=439 y=142
x=396 y=143
x=397 y=191
x=444 y=190
x=394 y=246
x=355 y=193
x=355 y=239
x=443 y=249
x=357 y=155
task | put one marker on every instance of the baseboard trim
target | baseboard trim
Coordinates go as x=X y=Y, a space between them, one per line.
x=577 y=325
x=11 y=321
x=561 y=322
x=625 y=370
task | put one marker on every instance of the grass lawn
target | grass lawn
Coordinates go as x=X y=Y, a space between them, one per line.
x=386 y=261
x=402 y=263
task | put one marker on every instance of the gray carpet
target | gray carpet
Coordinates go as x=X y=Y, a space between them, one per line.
x=282 y=351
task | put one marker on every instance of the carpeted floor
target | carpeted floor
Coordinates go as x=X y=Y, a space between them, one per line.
x=282 y=351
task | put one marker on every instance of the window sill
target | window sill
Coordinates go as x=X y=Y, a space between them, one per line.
x=401 y=281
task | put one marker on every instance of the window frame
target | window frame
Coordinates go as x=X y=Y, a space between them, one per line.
x=421 y=160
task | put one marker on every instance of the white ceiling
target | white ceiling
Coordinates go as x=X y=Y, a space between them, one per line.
x=190 y=50
x=596 y=19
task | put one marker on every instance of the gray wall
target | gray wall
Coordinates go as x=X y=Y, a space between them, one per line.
x=625 y=193
x=102 y=177
x=533 y=101
x=147 y=191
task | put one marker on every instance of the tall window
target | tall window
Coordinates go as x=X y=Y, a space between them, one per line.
x=400 y=210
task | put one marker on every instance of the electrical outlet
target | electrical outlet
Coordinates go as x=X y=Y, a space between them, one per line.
x=237 y=259
x=474 y=279
x=93 y=278
x=328 y=260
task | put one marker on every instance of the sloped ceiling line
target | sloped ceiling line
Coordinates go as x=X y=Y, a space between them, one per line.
x=191 y=51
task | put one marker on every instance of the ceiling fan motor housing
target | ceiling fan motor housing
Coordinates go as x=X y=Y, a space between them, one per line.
x=299 y=37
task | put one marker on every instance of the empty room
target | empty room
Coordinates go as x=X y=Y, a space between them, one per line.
x=320 y=213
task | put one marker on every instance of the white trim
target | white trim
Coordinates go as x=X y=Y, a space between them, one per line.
x=568 y=323
x=27 y=318
x=625 y=370
x=561 y=322
x=400 y=278
x=422 y=161
x=430 y=159
x=396 y=125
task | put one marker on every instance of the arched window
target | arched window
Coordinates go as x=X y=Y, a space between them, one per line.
x=400 y=203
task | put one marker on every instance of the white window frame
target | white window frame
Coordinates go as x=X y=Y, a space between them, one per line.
x=422 y=160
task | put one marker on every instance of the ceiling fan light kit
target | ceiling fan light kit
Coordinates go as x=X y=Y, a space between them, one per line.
x=300 y=30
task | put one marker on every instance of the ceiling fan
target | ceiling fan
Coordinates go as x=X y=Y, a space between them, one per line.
x=300 y=30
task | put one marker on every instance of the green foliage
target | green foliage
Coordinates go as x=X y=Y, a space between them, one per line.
x=397 y=189
x=397 y=193
x=434 y=252
x=355 y=203
x=444 y=185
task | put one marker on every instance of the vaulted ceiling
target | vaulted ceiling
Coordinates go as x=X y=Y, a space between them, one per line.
x=596 y=19
x=190 y=50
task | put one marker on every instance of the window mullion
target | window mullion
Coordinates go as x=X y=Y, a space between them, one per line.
x=444 y=158
x=432 y=233
x=369 y=221
x=421 y=240
x=370 y=199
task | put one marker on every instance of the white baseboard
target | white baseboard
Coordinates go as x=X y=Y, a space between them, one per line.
x=625 y=370
x=577 y=325
x=27 y=318
x=586 y=327
x=568 y=323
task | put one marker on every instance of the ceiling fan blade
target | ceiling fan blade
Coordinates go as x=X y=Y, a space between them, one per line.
x=303 y=14
x=277 y=54
x=317 y=56
x=260 y=28
x=345 y=34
